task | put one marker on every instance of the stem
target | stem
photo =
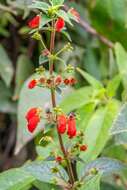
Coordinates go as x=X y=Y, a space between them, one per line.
x=69 y=168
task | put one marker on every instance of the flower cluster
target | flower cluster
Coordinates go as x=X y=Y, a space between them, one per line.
x=51 y=82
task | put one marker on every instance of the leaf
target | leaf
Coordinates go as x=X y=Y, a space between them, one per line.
x=104 y=166
x=44 y=20
x=38 y=97
x=67 y=35
x=100 y=123
x=6 y=68
x=64 y=15
x=92 y=184
x=42 y=59
x=23 y=71
x=112 y=19
x=113 y=85
x=91 y=80
x=121 y=58
x=120 y=122
x=39 y=5
x=57 y=2
x=15 y=179
x=6 y=103
x=72 y=101
x=43 y=171
x=45 y=186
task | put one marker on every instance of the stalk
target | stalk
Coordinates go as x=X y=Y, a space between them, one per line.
x=53 y=99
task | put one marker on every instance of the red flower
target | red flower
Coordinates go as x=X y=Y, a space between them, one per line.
x=58 y=80
x=34 y=23
x=59 y=24
x=31 y=113
x=32 y=84
x=75 y=14
x=61 y=124
x=66 y=81
x=33 y=122
x=59 y=159
x=71 y=126
x=83 y=147
x=72 y=81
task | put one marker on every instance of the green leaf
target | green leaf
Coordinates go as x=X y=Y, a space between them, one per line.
x=92 y=184
x=113 y=85
x=73 y=101
x=37 y=97
x=121 y=58
x=23 y=71
x=67 y=35
x=100 y=123
x=39 y=5
x=64 y=15
x=6 y=68
x=104 y=166
x=6 y=103
x=57 y=2
x=15 y=179
x=91 y=80
x=120 y=122
x=112 y=19
x=45 y=186
x=42 y=59
x=43 y=171
x=44 y=20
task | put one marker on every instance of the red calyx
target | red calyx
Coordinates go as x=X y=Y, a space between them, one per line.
x=59 y=159
x=71 y=131
x=32 y=84
x=66 y=81
x=31 y=113
x=75 y=14
x=34 y=23
x=58 y=80
x=33 y=122
x=83 y=147
x=72 y=81
x=59 y=25
x=61 y=123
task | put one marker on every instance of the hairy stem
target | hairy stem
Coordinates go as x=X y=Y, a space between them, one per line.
x=53 y=98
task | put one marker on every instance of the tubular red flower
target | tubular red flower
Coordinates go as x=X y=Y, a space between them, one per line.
x=83 y=147
x=33 y=122
x=32 y=84
x=31 y=113
x=59 y=24
x=71 y=131
x=61 y=123
x=34 y=23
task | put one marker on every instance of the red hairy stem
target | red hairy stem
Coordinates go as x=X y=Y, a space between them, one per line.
x=51 y=65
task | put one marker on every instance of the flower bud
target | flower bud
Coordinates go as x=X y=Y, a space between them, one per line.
x=71 y=131
x=61 y=123
x=32 y=84
x=34 y=23
x=59 y=25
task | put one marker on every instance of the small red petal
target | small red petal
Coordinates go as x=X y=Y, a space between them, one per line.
x=58 y=80
x=58 y=159
x=33 y=122
x=59 y=24
x=72 y=81
x=66 y=81
x=71 y=127
x=83 y=148
x=61 y=124
x=34 y=23
x=32 y=84
x=31 y=113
